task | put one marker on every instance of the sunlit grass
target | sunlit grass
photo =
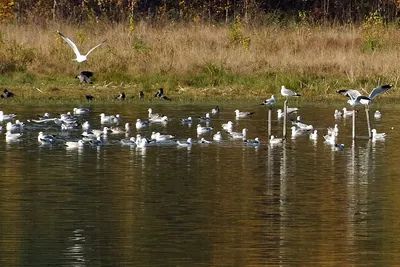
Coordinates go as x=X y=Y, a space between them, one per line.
x=196 y=62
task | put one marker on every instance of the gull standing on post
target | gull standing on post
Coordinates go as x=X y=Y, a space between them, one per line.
x=286 y=92
x=79 y=57
x=269 y=102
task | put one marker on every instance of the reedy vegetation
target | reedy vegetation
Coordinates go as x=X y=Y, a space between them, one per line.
x=193 y=61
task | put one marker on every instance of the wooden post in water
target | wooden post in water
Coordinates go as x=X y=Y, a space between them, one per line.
x=368 y=121
x=269 y=122
x=284 y=119
x=354 y=125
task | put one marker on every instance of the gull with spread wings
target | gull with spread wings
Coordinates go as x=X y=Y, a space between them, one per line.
x=79 y=57
x=356 y=98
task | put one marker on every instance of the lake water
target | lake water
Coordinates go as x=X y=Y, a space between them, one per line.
x=221 y=204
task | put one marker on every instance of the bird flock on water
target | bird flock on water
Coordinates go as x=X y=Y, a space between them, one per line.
x=95 y=137
x=77 y=120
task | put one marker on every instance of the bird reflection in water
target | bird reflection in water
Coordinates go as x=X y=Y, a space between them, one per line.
x=75 y=252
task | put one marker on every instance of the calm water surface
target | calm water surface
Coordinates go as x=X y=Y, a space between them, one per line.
x=222 y=204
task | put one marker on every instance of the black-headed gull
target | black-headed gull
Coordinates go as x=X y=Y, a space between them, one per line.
x=239 y=135
x=187 y=143
x=338 y=147
x=75 y=144
x=314 y=135
x=153 y=115
x=228 y=126
x=281 y=114
x=253 y=142
x=12 y=136
x=377 y=136
x=337 y=114
x=128 y=142
x=104 y=119
x=215 y=110
x=204 y=141
x=140 y=124
x=242 y=114
x=79 y=57
x=347 y=112
x=217 y=136
x=269 y=102
x=356 y=98
x=188 y=120
x=203 y=129
x=287 y=93
x=274 y=141
x=45 y=138
x=81 y=111
x=207 y=118
x=377 y=114
x=6 y=117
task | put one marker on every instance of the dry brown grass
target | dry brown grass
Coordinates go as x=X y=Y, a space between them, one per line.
x=334 y=55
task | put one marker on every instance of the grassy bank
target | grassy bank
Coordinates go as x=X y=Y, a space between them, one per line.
x=194 y=62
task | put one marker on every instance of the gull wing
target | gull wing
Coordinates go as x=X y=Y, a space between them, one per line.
x=379 y=90
x=360 y=99
x=352 y=94
x=95 y=47
x=71 y=44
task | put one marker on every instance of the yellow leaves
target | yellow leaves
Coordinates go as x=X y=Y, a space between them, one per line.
x=6 y=9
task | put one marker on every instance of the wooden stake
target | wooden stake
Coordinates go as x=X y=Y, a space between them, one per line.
x=354 y=125
x=269 y=122
x=284 y=119
x=368 y=121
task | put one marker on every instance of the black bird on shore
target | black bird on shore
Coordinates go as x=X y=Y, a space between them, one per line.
x=121 y=96
x=160 y=94
x=89 y=97
x=85 y=76
x=141 y=95
x=7 y=94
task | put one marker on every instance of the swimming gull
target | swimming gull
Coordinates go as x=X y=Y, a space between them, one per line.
x=274 y=140
x=140 y=124
x=242 y=114
x=239 y=135
x=215 y=110
x=204 y=141
x=377 y=136
x=6 y=117
x=81 y=111
x=253 y=142
x=314 y=135
x=217 y=136
x=203 y=129
x=228 y=126
x=186 y=143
